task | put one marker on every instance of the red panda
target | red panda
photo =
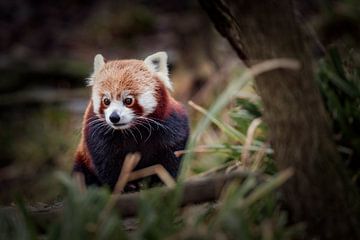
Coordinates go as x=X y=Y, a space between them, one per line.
x=130 y=110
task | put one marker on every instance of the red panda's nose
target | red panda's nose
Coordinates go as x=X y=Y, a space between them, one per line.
x=114 y=117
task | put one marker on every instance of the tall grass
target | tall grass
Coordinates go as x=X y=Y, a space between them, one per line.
x=339 y=82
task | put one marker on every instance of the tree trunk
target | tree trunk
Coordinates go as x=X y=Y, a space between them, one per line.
x=320 y=193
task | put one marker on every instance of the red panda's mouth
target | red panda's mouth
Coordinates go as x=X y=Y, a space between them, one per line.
x=119 y=124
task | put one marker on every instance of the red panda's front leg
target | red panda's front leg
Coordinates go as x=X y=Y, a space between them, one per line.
x=82 y=165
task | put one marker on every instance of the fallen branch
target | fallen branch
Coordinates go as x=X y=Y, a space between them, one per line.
x=197 y=191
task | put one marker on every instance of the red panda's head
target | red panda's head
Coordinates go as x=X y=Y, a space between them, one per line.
x=126 y=90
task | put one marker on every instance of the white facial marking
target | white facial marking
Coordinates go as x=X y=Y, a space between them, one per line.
x=96 y=99
x=147 y=101
x=126 y=115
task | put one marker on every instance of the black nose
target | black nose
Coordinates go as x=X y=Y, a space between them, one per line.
x=114 y=117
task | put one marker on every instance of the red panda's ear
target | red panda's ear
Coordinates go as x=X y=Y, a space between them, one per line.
x=99 y=62
x=157 y=63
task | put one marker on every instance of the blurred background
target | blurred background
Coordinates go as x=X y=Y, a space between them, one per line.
x=47 y=50
x=46 y=53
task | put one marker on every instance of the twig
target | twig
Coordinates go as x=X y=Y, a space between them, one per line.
x=221 y=148
x=259 y=156
x=155 y=169
x=213 y=171
x=249 y=138
x=80 y=181
x=130 y=162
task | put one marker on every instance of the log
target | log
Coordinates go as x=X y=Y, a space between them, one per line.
x=197 y=191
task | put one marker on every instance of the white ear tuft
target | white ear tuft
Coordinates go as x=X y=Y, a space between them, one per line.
x=99 y=62
x=157 y=63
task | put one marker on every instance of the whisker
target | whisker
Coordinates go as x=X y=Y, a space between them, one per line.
x=125 y=132
x=94 y=121
x=109 y=130
x=133 y=135
x=158 y=124
x=149 y=129
x=93 y=124
x=93 y=118
x=141 y=137
x=99 y=127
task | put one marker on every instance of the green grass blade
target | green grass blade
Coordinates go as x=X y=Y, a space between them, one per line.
x=227 y=129
x=227 y=95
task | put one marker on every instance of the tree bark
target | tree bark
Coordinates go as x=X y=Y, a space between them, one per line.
x=320 y=193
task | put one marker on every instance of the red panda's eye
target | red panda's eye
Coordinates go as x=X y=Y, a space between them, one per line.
x=106 y=101
x=128 y=101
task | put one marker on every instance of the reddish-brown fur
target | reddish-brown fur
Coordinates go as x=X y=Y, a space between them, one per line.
x=109 y=81
x=82 y=153
x=120 y=75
